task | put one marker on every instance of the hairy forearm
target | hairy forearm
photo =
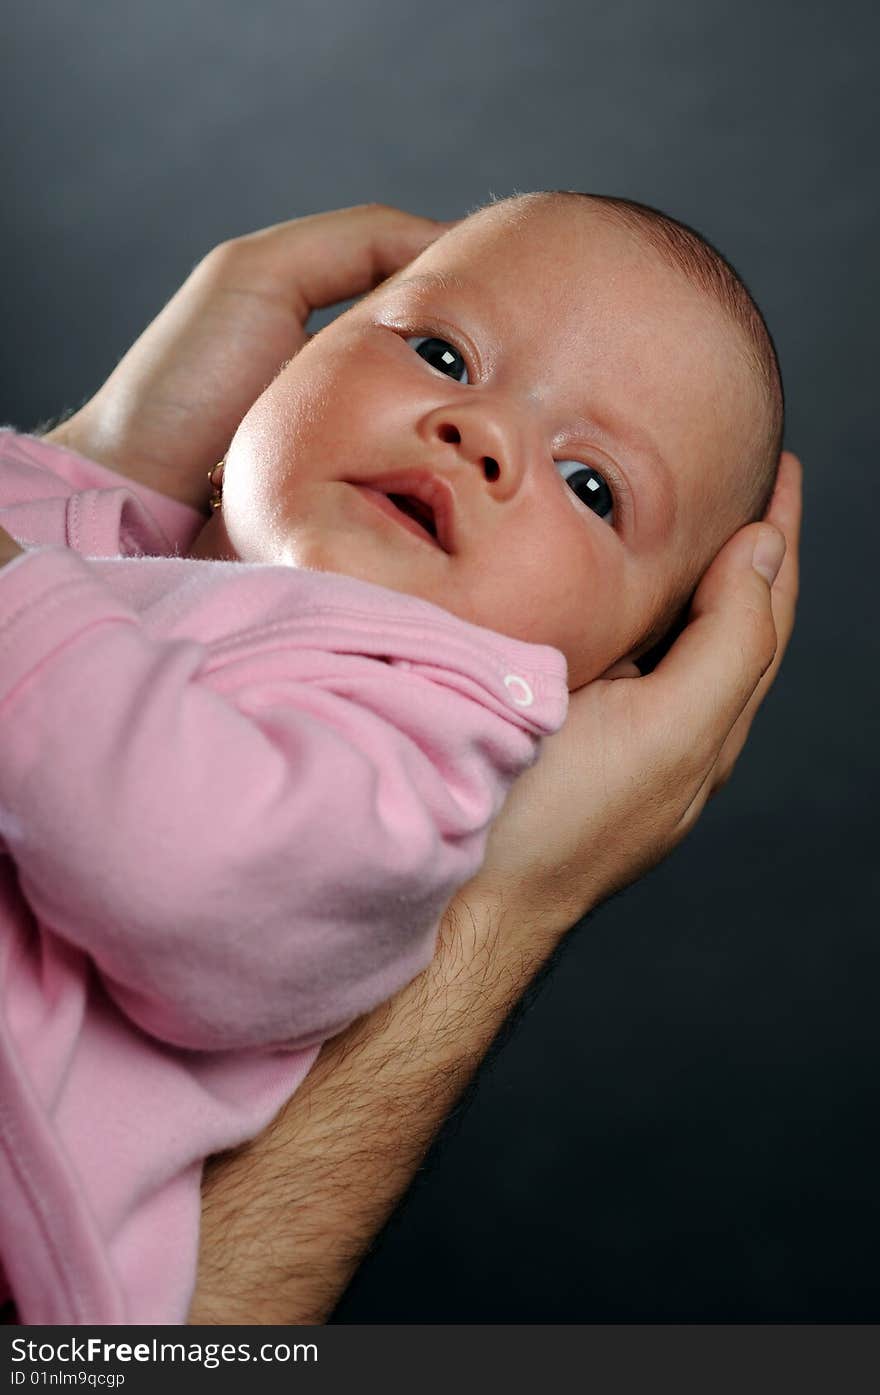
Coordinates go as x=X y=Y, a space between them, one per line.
x=287 y=1218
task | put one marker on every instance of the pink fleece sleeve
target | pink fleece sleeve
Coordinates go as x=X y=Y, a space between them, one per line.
x=248 y=855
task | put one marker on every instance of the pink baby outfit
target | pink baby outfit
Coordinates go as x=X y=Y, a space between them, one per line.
x=234 y=801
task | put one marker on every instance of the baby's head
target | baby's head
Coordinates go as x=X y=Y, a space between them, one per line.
x=576 y=394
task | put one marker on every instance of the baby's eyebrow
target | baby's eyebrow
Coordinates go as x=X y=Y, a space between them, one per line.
x=427 y=280
x=611 y=430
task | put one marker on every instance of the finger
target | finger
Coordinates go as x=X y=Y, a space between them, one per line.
x=702 y=685
x=327 y=257
x=785 y=512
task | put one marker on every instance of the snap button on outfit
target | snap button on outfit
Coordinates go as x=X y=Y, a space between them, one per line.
x=526 y=696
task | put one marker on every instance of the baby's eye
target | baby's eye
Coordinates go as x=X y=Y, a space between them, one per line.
x=440 y=354
x=589 y=486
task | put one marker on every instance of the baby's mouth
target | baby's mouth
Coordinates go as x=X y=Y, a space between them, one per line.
x=416 y=509
x=420 y=500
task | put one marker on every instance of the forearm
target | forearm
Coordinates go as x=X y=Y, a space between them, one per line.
x=286 y=1219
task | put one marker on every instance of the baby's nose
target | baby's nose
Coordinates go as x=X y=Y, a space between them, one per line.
x=450 y=433
x=483 y=435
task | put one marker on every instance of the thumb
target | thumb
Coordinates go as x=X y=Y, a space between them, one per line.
x=715 y=665
x=769 y=552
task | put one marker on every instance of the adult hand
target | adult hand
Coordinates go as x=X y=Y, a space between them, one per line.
x=639 y=757
x=168 y=411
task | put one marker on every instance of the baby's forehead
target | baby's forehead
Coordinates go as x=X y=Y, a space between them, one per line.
x=604 y=302
x=548 y=271
x=549 y=245
x=545 y=220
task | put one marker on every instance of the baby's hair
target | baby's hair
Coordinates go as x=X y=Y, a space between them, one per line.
x=687 y=251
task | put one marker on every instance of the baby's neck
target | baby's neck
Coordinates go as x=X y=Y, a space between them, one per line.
x=212 y=543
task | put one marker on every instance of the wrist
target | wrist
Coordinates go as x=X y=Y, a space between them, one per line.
x=493 y=918
x=73 y=433
x=57 y=430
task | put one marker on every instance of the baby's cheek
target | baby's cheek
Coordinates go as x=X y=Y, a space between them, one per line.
x=251 y=484
x=607 y=623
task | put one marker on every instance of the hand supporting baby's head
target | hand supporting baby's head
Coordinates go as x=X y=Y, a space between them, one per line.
x=548 y=424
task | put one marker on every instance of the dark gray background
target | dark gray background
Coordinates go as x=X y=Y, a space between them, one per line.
x=682 y=1127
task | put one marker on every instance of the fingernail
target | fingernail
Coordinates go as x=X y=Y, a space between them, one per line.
x=768 y=554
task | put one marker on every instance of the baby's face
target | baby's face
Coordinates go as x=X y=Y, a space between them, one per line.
x=569 y=412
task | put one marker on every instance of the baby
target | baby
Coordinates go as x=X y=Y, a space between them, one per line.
x=238 y=787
